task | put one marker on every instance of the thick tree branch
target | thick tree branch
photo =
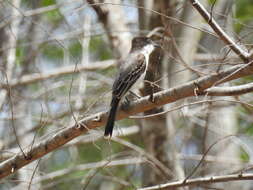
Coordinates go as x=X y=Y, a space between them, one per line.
x=163 y=97
x=230 y=91
x=245 y=56
x=201 y=181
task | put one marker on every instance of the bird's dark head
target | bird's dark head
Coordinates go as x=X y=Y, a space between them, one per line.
x=140 y=42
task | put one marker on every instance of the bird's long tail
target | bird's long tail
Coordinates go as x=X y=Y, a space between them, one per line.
x=111 y=118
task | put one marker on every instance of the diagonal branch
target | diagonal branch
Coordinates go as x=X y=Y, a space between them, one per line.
x=245 y=56
x=97 y=120
x=199 y=181
x=70 y=69
x=82 y=167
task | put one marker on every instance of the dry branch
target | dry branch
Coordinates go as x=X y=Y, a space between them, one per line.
x=66 y=70
x=164 y=97
x=215 y=58
x=82 y=167
x=201 y=181
x=230 y=91
x=36 y=77
x=245 y=56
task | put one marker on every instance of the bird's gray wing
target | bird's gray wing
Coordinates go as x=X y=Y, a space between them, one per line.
x=128 y=75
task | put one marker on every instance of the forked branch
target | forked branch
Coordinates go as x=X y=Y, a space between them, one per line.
x=163 y=97
x=244 y=55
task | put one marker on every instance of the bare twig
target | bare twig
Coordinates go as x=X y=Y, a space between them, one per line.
x=244 y=55
x=214 y=58
x=11 y=53
x=205 y=153
x=28 y=79
x=34 y=171
x=187 y=105
x=163 y=97
x=201 y=180
x=119 y=162
x=12 y=118
x=113 y=17
x=161 y=168
x=66 y=70
x=84 y=62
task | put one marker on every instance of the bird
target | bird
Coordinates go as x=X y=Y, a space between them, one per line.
x=132 y=71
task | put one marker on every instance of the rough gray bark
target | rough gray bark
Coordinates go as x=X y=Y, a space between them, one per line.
x=164 y=97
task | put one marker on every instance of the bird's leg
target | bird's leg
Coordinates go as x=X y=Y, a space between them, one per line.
x=151 y=96
x=125 y=103
x=134 y=94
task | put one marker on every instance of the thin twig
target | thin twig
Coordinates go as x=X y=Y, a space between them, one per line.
x=186 y=105
x=66 y=70
x=163 y=97
x=201 y=180
x=244 y=55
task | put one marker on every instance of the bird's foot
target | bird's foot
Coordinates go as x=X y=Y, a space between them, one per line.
x=134 y=94
x=125 y=104
x=151 y=98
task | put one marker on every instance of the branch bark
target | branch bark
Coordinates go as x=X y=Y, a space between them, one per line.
x=36 y=77
x=163 y=97
x=199 y=181
x=245 y=56
x=70 y=69
x=229 y=91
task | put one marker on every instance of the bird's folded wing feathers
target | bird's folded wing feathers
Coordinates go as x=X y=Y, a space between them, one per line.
x=129 y=74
